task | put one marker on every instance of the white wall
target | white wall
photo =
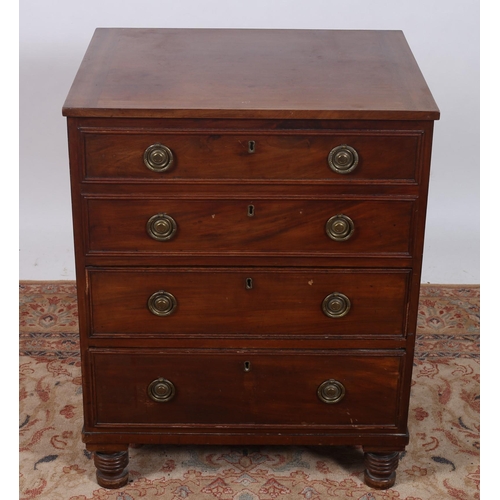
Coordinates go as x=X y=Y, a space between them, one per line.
x=444 y=37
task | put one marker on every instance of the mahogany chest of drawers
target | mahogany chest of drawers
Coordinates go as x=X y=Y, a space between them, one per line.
x=249 y=211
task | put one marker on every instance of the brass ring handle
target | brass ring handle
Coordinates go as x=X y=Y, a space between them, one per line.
x=336 y=305
x=161 y=390
x=158 y=157
x=343 y=159
x=331 y=391
x=161 y=227
x=339 y=227
x=162 y=303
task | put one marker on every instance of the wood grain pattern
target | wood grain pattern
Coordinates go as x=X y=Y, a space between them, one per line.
x=213 y=388
x=225 y=226
x=225 y=156
x=215 y=301
x=249 y=74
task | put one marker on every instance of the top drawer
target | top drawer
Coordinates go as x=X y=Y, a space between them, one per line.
x=333 y=156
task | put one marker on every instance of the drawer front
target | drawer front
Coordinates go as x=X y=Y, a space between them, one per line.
x=214 y=302
x=380 y=155
x=355 y=227
x=246 y=388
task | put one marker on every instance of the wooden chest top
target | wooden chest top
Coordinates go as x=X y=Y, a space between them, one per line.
x=278 y=74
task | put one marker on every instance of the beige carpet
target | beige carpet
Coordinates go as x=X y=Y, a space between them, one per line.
x=442 y=460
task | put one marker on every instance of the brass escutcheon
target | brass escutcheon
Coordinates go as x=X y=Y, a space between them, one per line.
x=158 y=157
x=161 y=227
x=331 y=391
x=336 y=305
x=161 y=390
x=162 y=303
x=343 y=159
x=339 y=227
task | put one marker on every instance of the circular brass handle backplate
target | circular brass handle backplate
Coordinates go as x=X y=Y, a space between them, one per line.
x=336 y=305
x=162 y=303
x=331 y=391
x=158 y=158
x=161 y=390
x=161 y=227
x=343 y=159
x=339 y=227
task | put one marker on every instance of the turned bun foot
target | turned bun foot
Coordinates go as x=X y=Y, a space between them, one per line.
x=111 y=468
x=380 y=471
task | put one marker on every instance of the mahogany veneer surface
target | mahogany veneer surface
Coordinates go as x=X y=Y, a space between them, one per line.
x=281 y=301
x=277 y=331
x=214 y=389
x=223 y=226
x=224 y=154
x=250 y=73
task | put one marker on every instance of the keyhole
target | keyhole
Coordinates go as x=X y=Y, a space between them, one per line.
x=249 y=283
x=251 y=146
x=251 y=211
x=246 y=366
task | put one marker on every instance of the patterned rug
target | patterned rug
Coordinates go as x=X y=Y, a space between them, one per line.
x=441 y=461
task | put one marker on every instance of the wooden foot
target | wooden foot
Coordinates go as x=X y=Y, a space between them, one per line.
x=111 y=468
x=380 y=471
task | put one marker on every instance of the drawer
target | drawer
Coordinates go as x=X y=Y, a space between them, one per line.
x=355 y=227
x=299 y=388
x=260 y=301
x=377 y=155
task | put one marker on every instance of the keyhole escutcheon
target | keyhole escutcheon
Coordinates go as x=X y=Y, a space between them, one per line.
x=251 y=147
x=246 y=366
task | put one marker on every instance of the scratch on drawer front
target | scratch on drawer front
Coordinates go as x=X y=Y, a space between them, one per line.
x=350 y=418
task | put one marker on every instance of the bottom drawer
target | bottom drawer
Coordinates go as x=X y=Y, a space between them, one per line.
x=241 y=388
